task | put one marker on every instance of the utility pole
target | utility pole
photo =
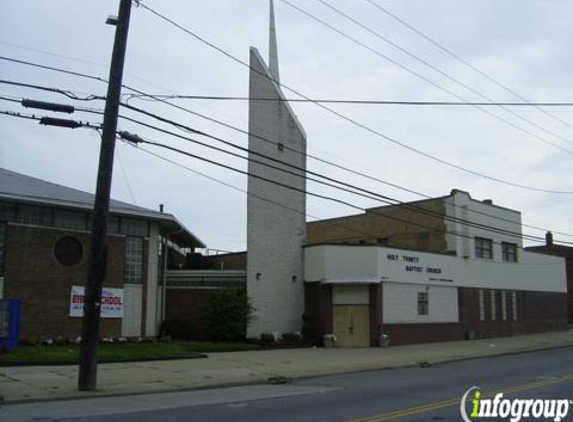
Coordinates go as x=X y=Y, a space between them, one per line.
x=98 y=252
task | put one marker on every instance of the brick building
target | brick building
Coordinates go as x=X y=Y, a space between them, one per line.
x=566 y=252
x=447 y=268
x=44 y=241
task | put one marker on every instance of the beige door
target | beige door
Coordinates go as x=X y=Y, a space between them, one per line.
x=351 y=325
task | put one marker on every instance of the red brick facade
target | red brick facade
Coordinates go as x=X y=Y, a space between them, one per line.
x=33 y=275
x=186 y=305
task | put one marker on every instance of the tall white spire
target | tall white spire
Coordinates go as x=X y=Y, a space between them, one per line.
x=273 y=54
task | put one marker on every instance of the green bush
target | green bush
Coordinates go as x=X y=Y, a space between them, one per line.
x=227 y=314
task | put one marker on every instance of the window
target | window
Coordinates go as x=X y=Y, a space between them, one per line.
x=483 y=248
x=481 y=305
x=112 y=223
x=133 y=260
x=508 y=252
x=68 y=251
x=37 y=216
x=514 y=305
x=423 y=308
x=74 y=220
x=503 y=305
x=493 y=305
x=7 y=212
x=132 y=227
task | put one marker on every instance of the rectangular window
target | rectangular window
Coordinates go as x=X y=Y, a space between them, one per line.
x=423 y=308
x=131 y=227
x=493 y=305
x=508 y=252
x=74 y=220
x=133 y=260
x=37 y=216
x=481 y=305
x=112 y=223
x=503 y=305
x=483 y=248
x=514 y=305
x=7 y=212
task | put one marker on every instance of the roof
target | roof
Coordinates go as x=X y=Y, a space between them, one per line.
x=22 y=188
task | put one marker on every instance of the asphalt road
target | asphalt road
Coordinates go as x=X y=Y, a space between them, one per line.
x=407 y=394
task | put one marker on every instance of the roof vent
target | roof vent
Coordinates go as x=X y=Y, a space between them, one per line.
x=488 y=201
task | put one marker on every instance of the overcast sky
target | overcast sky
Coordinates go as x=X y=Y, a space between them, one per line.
x=523 y=45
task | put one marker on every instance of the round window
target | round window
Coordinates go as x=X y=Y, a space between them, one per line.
x=68 y=251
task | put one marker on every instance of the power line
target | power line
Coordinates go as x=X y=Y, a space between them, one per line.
x=294 y=188
x=418 y=75
x=468 y=64
x=303 y=172
x=274 y=143
x=28 y=116
x=339 y=101
x=325 y=221
x=67 y=93
x=352 y=121
x=56 y=69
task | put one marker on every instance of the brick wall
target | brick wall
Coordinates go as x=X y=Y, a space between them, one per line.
x=402 y=226
x=536 y=312
x=33 y=275
x=187 y=304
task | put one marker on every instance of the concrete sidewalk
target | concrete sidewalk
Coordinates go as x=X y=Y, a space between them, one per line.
x=19 y=384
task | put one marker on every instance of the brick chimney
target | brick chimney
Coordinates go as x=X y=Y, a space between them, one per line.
x=549 y=238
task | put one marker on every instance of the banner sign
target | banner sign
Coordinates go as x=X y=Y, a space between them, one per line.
x=111 y=302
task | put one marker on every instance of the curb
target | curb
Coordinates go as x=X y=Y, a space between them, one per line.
x=268 y=380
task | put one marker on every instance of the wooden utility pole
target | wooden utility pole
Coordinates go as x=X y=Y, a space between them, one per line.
x=98 y=253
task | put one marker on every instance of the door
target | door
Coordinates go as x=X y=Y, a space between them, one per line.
x=351 y=324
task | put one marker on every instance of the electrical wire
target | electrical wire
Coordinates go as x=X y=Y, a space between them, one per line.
x=297 y=189
x=314 y=157
x=351 y=120
x=180 y=126
x=451 y=78
x=28 y=116
x=67 y=93
x=324 y=221
x=407 y=206
x=468 y=64
x=338 y=101
x=302 y=172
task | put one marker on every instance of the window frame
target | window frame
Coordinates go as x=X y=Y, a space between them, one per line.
x=423 y=303
x=508 y=252
x=483 y=247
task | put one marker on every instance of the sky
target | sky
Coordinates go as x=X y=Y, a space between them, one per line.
x=524 y=46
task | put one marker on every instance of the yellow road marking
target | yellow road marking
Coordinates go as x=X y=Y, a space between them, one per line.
x=456 y=401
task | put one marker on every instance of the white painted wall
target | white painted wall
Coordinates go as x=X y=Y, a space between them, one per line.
x=131 y=322
x=400 y=304
x=276 y=231
x=151 y=324
x=350 y=295
x=460 y=205
x=357 y=264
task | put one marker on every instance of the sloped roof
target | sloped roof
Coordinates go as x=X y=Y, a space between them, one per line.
x=22 y=188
